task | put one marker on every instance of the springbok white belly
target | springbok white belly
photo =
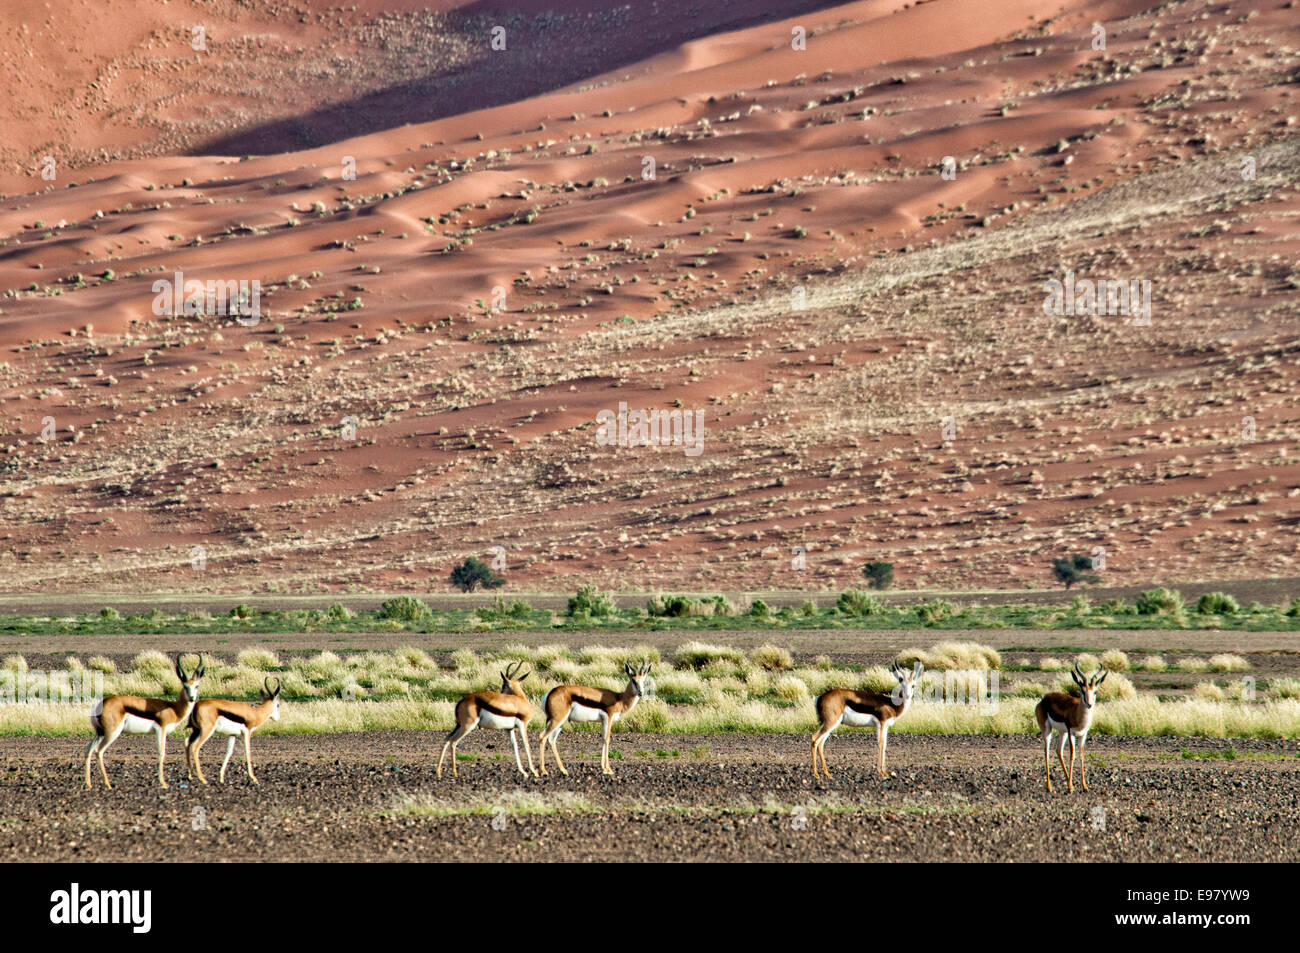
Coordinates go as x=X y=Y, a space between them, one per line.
x=583 y=713
x=225 y=726
x=487 y=719
x=1063 y=728
x=855 y=719
x=135 y=725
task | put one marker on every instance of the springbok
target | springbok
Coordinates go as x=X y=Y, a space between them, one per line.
x=580 y=703
x=859 y=709
x=506 y=710
x=1071 y=716
x=141 y=716
x=230 y=719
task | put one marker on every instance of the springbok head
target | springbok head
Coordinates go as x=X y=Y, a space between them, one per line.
x=511 y=678
x=907 y=681
x=1088 y=684
x=190 y=682
x=637 y=676
x=271 y=693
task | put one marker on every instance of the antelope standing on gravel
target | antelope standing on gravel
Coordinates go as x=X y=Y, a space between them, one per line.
x=579 y=703
x=142 y=716
x=1071 y=716
x=859 y=709
x=235 y=720
x=506 y=710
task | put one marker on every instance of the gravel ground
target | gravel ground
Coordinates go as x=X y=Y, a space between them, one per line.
x=693 y=797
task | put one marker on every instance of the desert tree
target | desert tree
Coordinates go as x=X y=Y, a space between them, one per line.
x=1070 y=569
x=473 y=573
x=880 y=574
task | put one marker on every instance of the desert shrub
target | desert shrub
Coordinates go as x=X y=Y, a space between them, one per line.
x=771 y=658
x=1115 y=660
x=404 y=609
x=791 y=689
x=14 y=663
x=502 y=611
x=414 y=658
x=951 y=656
x=1026 y=689
x=855 y=602
x=1216 y=603
x=338 y=612
x=1154 y=663
x=1279 y=688
x=463 y=660
x=808 y=607
x=1227 y=662
x=152 y=664
x=587 y=601
x=909 y=657
x=100 y=663
x=877 y=679
x=1193 y=664
x=681 y=606
x=1087 y=662
x=1209 y=691
x=697 y=655
x=260 y=659
x=319 y=667
x=241 y=611
x=1160 y=601
x=1294 y=609
x=759 y=609
x=931 y=613
x=1116 y=687
x=1051 y=664
x=109 y=614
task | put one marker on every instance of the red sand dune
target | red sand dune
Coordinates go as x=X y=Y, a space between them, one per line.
x=483 y=179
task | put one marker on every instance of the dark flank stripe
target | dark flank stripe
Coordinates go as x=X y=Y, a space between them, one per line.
x=862 y=709
x=488 y=706
x=586 y=702
x=231 y=716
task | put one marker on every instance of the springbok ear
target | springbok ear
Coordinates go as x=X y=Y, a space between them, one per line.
x=525 y=675
x=1098 y=679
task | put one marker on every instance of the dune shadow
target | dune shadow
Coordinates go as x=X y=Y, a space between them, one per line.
x=545 y=51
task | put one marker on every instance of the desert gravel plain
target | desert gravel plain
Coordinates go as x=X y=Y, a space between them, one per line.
x=373 y=796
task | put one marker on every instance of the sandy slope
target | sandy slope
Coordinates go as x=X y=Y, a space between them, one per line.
x=776 y=170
